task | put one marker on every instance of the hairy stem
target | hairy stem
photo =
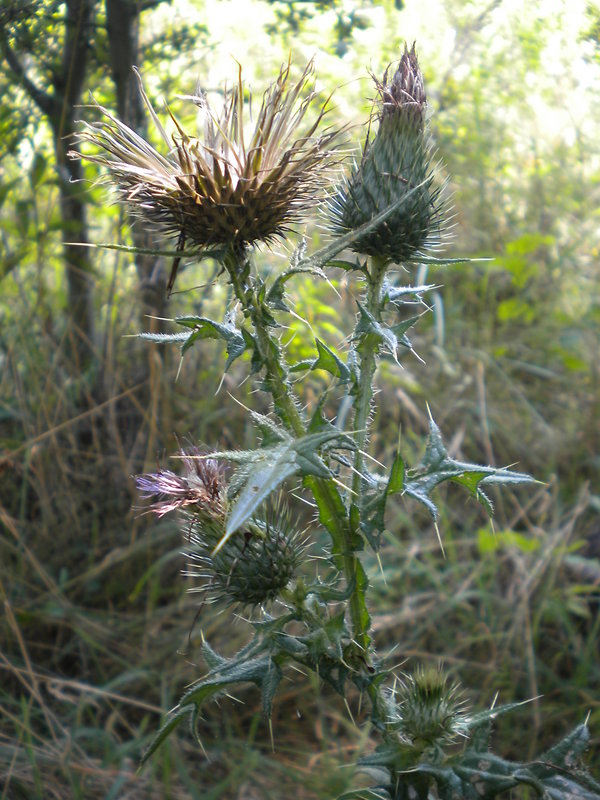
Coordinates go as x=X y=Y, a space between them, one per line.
x=333 y=513
x=368 y=350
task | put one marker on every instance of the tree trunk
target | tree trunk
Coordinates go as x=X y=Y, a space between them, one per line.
x=78 y=267
x=58 y=103
x=68 y=88
x=122 y=20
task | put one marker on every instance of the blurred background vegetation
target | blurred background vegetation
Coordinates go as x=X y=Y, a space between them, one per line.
x=97 y=637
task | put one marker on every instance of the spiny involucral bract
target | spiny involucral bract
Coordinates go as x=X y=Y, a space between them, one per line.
x=253 y=567
x=429 y=708
x=396 y=163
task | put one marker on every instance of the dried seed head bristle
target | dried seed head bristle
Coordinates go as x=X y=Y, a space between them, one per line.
x=224 y=188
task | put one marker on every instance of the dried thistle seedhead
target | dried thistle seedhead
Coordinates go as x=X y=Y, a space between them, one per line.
x=224 y=187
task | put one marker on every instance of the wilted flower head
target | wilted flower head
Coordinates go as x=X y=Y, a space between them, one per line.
x=396 y=169
x=201 y=488
x=250 y=568
x=227 y=186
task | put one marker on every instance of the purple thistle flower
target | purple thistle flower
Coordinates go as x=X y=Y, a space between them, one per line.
x=201 y=485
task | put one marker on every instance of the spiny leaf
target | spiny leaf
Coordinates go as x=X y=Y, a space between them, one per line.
x=163 y=338
x=395 y=294
x=368 y=325
x=373 y=511
x=444 y=261
x=330 y=362
x=348 y=265
x=272 y=433
x=165 y=730
x=437 y=466
x=478 y=774
x=236 y=671
x=396 y=481
x=266 y=469
x=213 y=660
x=270 y=684
x=204 y=328
x=276 y=294
x=277 y=464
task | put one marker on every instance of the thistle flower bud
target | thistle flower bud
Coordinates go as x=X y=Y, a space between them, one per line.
x=396 y=164
x=404 y=94
x=254 y=565
x=429 y=708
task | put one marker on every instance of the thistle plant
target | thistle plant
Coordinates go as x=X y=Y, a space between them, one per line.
x=221 y=194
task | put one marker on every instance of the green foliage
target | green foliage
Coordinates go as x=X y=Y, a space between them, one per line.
x=512 y=610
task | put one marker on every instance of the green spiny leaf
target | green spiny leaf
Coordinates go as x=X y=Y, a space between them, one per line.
x=368 y=325
x=252 y=670
x=437 y=466
x=165 y=730
x=396 y=481
x=204 y=328
x=330 y=362
x=269 y=686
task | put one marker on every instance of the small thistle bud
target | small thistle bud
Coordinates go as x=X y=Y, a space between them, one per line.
x=429 y=709
x=396 y=164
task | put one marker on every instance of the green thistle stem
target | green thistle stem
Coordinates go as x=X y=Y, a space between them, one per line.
x=353 y=568
x=332 y=510
x=368 y=351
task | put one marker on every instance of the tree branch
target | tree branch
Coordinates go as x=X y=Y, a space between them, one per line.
x=43 y=100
